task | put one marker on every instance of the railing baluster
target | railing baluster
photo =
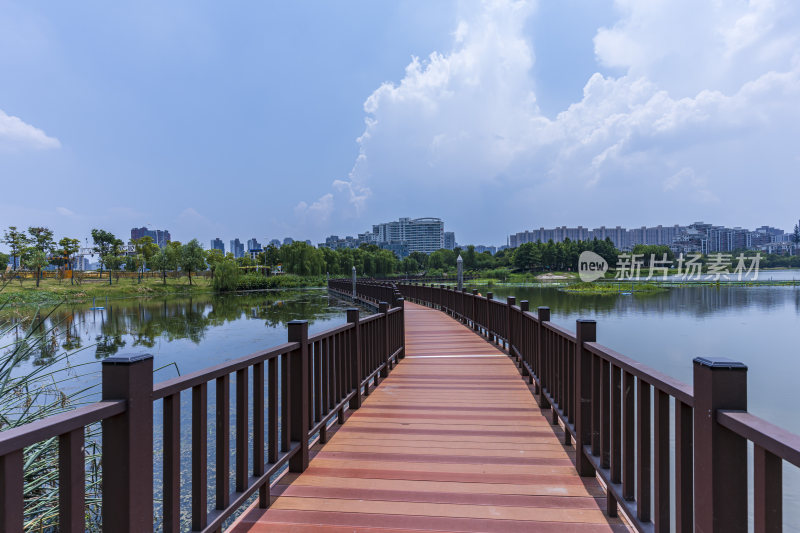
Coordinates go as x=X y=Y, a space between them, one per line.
x=258 y=432
x=286 y=407
x=242 y=423
x=684 y=484
x=605 y=414
x=661 y=494
x=199 y=452
x=299 y=398
x=223 y=444
x=272 y=408
x=628 y=421
x=71 y=482
x=11 y=490
x=172 y=463
x=767 y=491
x=644 y=464
x=615 y=459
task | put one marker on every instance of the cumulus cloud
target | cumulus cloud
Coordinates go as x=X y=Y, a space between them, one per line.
x=16 y=134
x=703 y=104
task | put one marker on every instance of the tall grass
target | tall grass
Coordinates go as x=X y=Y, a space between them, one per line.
x=32 y=389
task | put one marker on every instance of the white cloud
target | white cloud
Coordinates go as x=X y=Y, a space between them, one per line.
x=16 y=134
x=704 y=107
x=317 y=212
x=65 y=212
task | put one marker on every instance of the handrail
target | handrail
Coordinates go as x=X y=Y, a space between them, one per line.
x=772 y=438
x=22 y=436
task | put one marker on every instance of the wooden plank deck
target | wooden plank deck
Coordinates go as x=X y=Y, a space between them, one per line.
x=452 y=440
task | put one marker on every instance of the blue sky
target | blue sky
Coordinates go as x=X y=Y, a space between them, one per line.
x=304 y=119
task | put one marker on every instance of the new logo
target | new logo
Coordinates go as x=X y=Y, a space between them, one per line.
x=591 y=266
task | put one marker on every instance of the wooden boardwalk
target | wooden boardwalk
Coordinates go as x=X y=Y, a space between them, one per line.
x=452 y=440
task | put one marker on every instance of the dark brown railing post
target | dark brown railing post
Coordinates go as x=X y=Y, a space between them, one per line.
x=585 y=331
x=720 y=456
x=127 y=456
x=472 y=314
x=355 y=357
x=489 y=334
x=299 y=394
x=542 y=316
x=524 y=307
x=401 y=303
x=511 y=301
x=383 y=307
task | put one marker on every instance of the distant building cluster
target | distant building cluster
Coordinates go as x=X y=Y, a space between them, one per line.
x=251 y=248
x=696 y=237
x=402 y=236
x=160 y=236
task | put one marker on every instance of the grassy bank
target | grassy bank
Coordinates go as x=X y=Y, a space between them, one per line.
x=611 y=288
x=52 y=291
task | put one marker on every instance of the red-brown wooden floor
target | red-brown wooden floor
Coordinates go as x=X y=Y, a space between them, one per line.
x=452 y=440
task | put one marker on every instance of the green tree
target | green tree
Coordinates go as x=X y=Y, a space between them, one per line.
x=35 y=259
x=192 y=258
x=67 y=249
x=17 y=241
x=226 y=277
x=146 y=248
x=796 y=234
x=104 y=242
x=160 y=263
x=214 y=257
x=3 y=262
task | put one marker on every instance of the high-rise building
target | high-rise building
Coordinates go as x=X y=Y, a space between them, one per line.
x=160 y=236
x=217 y=244
x=253 y=245
x=287 y=241
x=449 y=240
x=276 y=243
x=237 y=248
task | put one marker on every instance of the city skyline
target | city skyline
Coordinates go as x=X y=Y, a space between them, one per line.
x=503 y=108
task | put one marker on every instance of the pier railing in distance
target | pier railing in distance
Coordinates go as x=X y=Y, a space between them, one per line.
x=291 y=393
x=622 y=416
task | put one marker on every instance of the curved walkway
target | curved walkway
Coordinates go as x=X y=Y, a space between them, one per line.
x=452 y=440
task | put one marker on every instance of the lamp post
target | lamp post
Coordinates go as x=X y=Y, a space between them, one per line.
x=354 y=281
x=460 y=265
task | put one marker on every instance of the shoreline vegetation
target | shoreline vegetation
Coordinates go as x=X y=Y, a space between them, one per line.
x=54 y=291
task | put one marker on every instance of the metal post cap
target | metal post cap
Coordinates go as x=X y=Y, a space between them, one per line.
x=126 y=359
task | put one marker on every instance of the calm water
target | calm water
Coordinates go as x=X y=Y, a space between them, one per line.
x=184 y=334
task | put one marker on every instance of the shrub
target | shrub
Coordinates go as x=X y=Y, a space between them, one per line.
x=226 y=276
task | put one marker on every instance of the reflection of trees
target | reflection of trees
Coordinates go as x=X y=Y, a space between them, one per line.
x=142 y=323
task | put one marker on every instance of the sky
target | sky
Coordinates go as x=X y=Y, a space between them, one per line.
x=307 y=118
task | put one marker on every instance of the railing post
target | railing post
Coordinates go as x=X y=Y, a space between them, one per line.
x=524 y=307
x=472 y=314
x=489 y=334
x=511 y=301
x=383 y=307
x=585 y=331
x=542 y=316
x=355 y=357
x=298 y=393
x=127 y=455
x=401 y=303
x=720 y=456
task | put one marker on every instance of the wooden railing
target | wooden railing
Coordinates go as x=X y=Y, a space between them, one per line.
x=291 y=393
x=621 y=416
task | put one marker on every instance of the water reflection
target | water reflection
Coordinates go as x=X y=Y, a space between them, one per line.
x=169 y=326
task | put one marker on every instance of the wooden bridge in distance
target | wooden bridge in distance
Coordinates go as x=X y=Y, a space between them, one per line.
x=451 y=440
